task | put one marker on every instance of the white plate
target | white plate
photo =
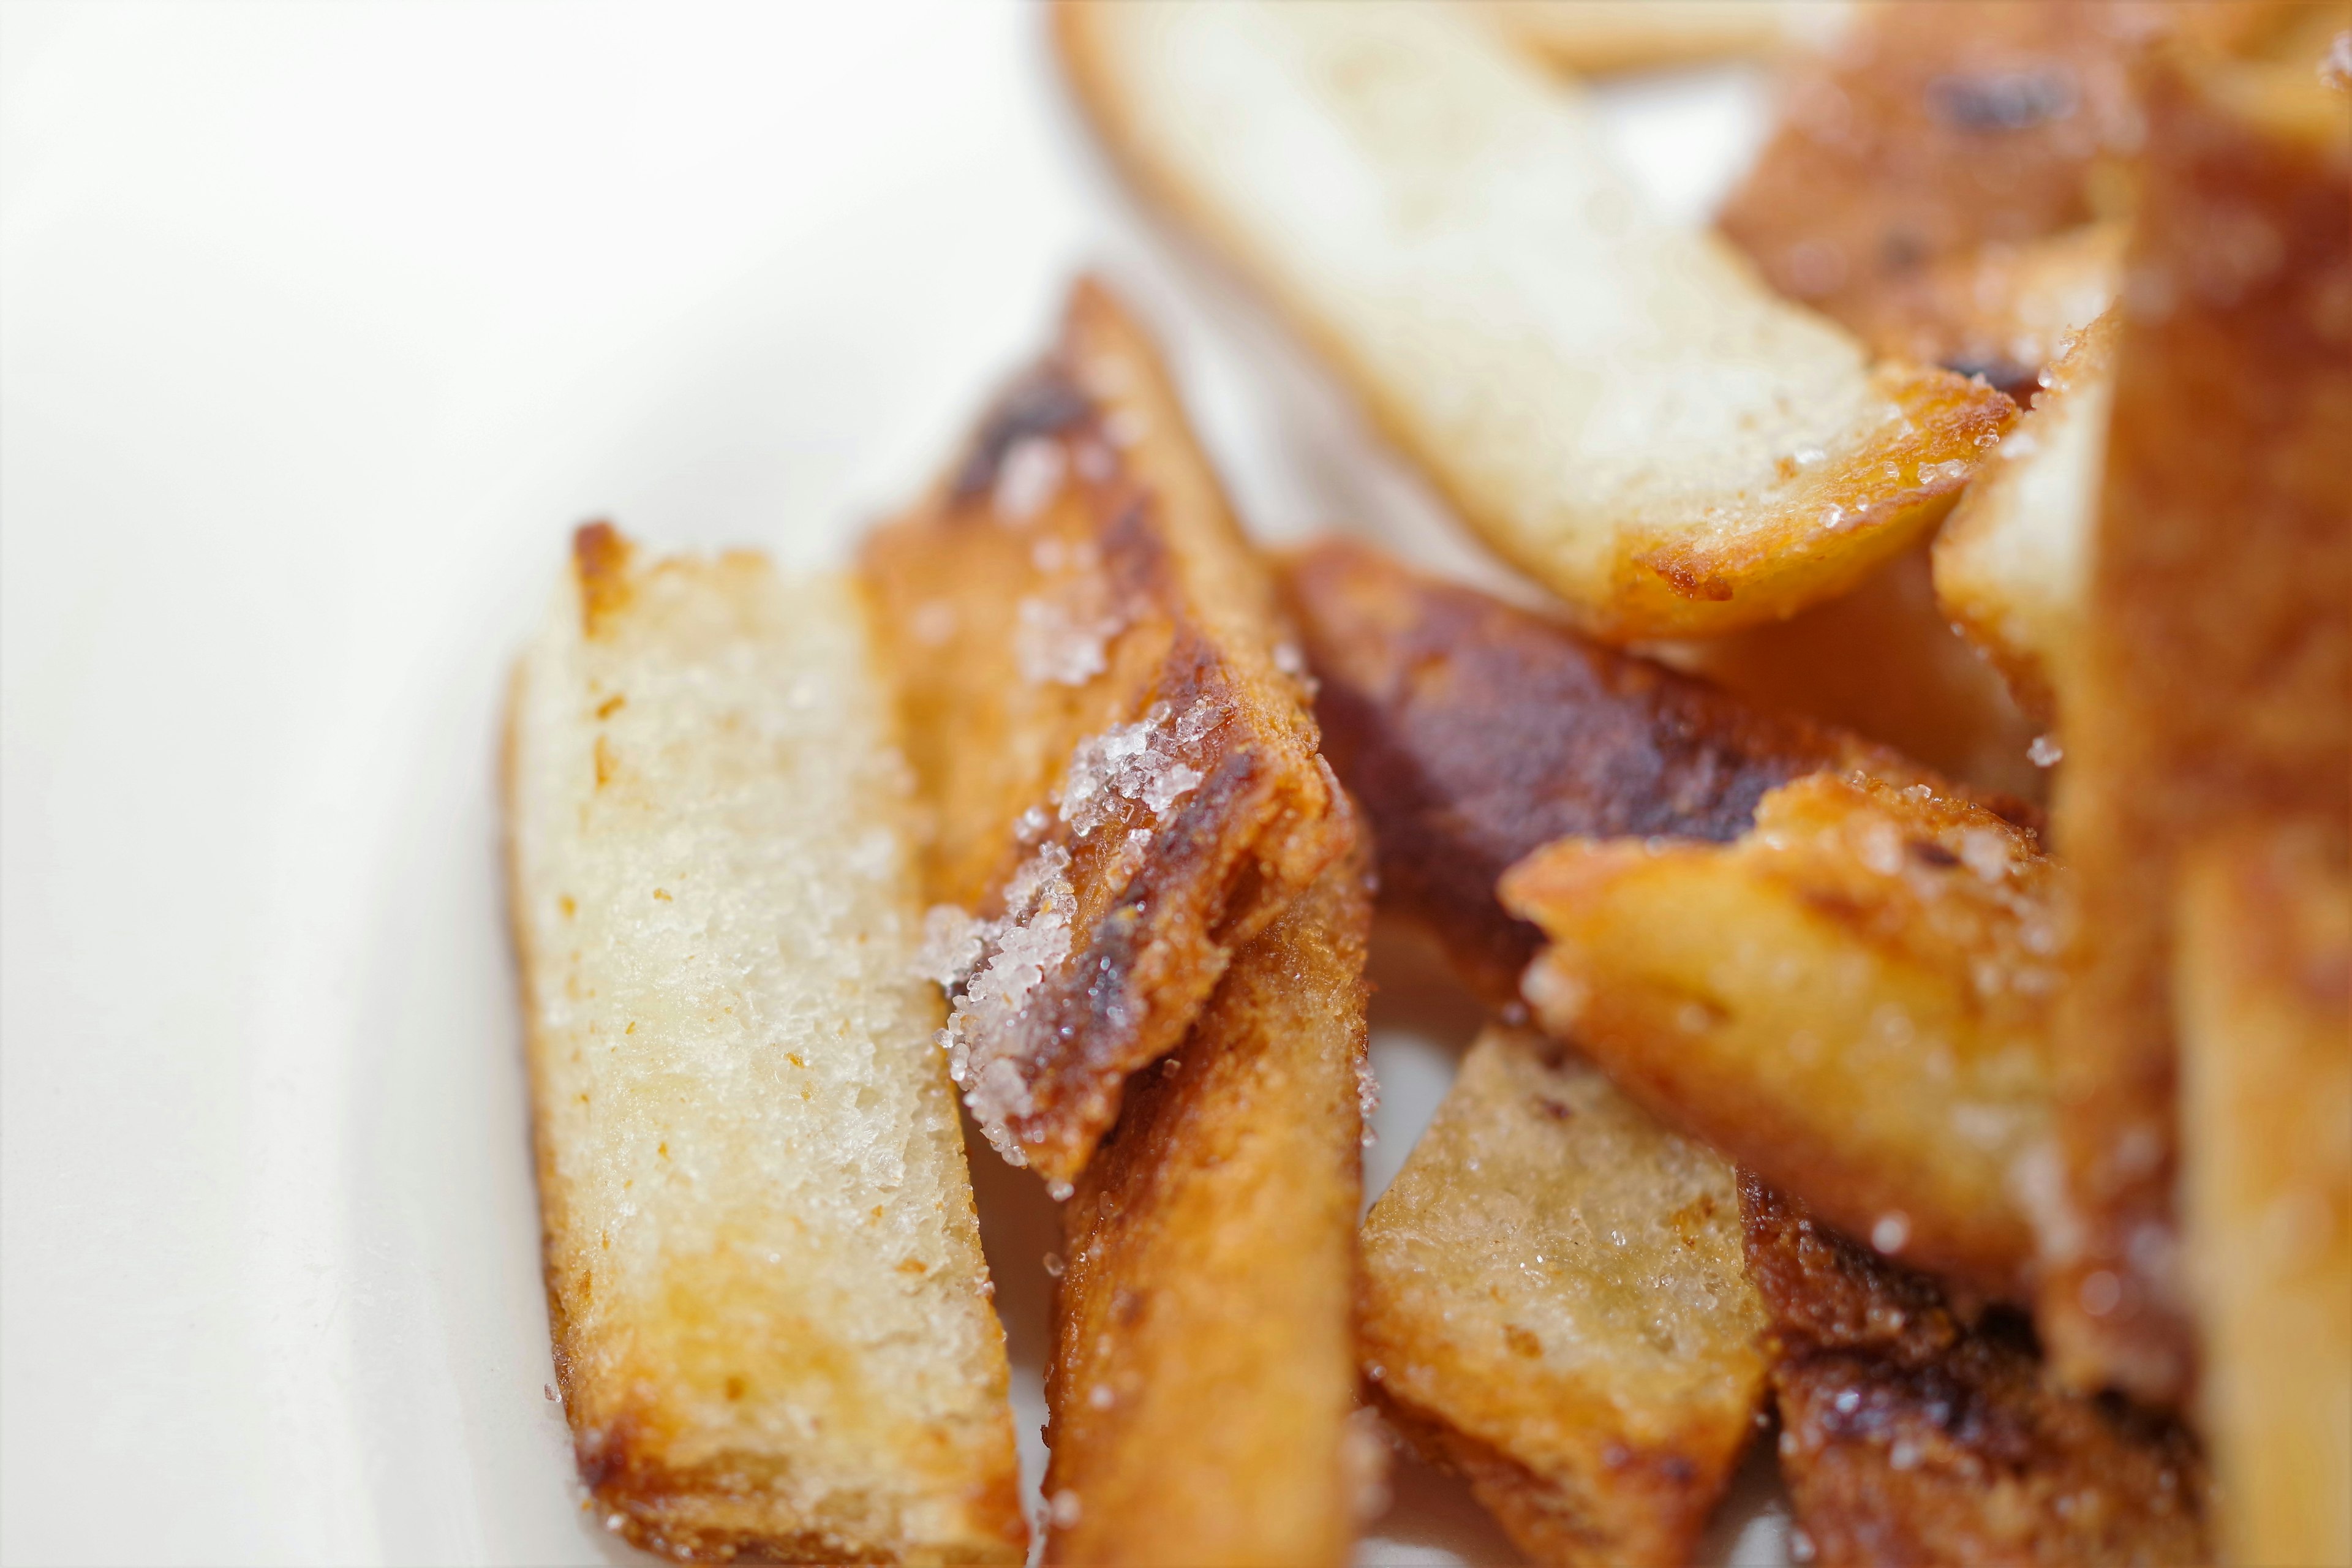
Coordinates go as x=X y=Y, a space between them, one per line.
x=321 y=326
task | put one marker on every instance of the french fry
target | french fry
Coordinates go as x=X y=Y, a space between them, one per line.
x=2013 y=563
x=771 y=1315
x=1124 y=781
x=1884 y=662
x=1474 y=732
x=1909 y=1434
x=1852 y=1000
x=1614 y=404
x=1931 y=179
x=1555 y=1305
x=2214 y=682
x=1204 y=1370
x=1593 y=37
x=2261 y=992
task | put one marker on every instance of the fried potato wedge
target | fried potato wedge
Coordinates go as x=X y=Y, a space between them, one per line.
x=1125 y=785
x=1910 y=1436
x=1852 y=1000
x=1930 y=180
x=1614 y=404
x=2214 y=684
x=1594 y=37
x=1473 y=733
x=770 y=1310
x=1884 y=662
x=1204 y=1371
x=2012 y=566
x=2263 y=995
x=1555 y=1306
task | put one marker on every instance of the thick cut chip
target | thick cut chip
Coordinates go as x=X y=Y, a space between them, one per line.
x=771 y=1315
x=1852 y=1000
x=1555 y=1305
x=1474 y=732
x=1203 y=1372
x=1614 y=402
x=1932 y=173
x=2263 y=993
x=1113 y=739
x=1596 y=37
x=1911 y=1436
x=2012 y=566
x=2214 y=683
x=1884 y=662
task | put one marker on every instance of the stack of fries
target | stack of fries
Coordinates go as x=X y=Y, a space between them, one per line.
x=2000 y=1161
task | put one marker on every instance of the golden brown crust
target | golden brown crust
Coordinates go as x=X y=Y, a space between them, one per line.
x=1912 y=1436
x=2215 y=680
x=1085 y=651
x=1202 y=1371
x=1474 y=732
x=1917 y=147
x=1554 y=1306
x=2265 y=995
x=1853 y=999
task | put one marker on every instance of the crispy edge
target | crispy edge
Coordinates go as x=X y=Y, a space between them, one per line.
x=2010 y=565
x=2214 y=683
x=1144 y=528
x=1852 y=1000
x=1203 y=1375
x=1910 y=1433
x=2263 y=996
x=1596 y=37
x=1474 y=732
x=1826 y=531
x=698 y=1513
x=1579 y=1486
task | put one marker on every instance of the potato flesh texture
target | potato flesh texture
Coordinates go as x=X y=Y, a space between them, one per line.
x=1614 y=402
x=1555 y=1303
x=1840 y=1001
x=2265 y=923
x=1204 y=1371
x=770 y=1308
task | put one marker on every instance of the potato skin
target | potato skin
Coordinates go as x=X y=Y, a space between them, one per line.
x=1203 y=1368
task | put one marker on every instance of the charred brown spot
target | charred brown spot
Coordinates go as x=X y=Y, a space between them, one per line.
x=1535 y=733
x=1521 y=1341
x=1927 y=852
x=1688 y=579
x=1046 y=402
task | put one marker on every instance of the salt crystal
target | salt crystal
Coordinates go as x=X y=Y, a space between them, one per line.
x=953 y=945
x=1099 y=1396
x=1060 y=1192
x=1367 y=1099
x=1053 y=1266
x=1809 y=457
x=1138 y=762
x=1065 y=1508
x=1052 y=643
x=1892 y=1234
x=1028 y=479
x=2045 y=751
x=1985 y=851
x=1943 y=473
x=1289 y=660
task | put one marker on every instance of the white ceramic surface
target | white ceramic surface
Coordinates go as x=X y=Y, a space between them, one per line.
x=318 y=327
